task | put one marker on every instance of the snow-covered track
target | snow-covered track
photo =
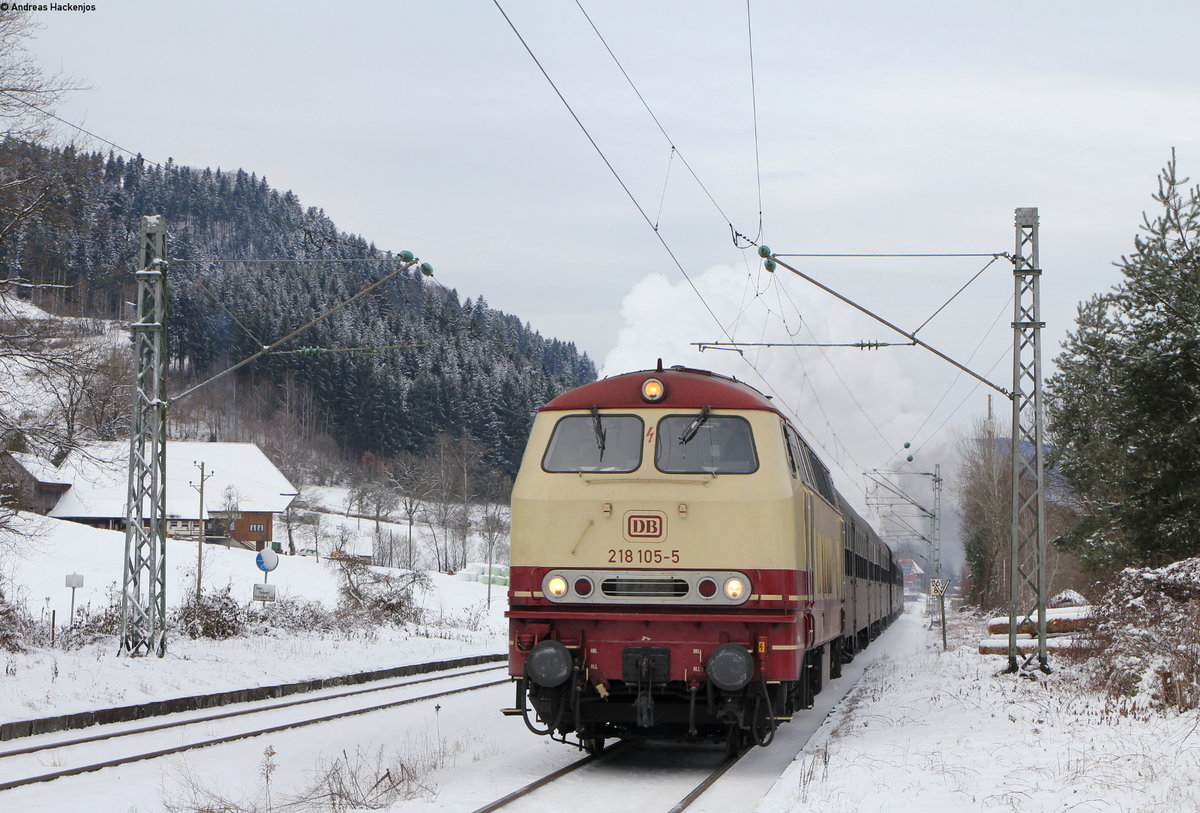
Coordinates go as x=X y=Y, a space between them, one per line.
x=16 y=765
x=604 y=760
x=18 y=729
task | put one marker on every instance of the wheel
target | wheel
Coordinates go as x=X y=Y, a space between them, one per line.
x=593 y=745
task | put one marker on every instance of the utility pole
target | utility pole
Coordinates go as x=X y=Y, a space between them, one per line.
x=1027 y=552
x=144 y=590
x=935 y=522
x=1027 y=577
x=200 y=536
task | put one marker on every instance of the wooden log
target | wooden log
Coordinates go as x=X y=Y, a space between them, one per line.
x=998 y=644
x=1062 y=619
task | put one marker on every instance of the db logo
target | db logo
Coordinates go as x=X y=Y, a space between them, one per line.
x=645 y=526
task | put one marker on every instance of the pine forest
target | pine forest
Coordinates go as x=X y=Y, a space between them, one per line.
x=248 y=265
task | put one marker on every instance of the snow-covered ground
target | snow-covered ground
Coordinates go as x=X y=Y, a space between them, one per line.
x=455 y=621
x=923 y=730
x=945 y=731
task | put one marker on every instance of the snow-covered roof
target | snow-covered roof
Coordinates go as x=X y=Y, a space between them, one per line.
x=99 y=476
x=41 y=470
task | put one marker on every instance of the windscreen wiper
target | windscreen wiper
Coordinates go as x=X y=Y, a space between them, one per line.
x=599 y=430
x=694 y=426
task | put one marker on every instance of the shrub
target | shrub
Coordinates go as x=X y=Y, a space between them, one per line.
x=292 y=615
x=16 y=627
x=1146 y=636
x=215 y=614
x=90 y=627
x=376 y=596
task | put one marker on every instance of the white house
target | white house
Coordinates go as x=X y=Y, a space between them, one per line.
x=243 y=489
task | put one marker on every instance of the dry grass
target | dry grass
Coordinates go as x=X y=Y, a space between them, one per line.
x=359 y=780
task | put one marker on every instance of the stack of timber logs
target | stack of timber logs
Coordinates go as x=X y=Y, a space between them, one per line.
x=1062 y=624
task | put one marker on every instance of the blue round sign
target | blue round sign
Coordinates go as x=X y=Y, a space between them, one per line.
x=267 y=560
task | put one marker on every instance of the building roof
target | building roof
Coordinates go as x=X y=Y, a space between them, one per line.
x=99 y=477
x=41 y=470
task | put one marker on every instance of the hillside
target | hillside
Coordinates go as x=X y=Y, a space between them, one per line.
x=250 y=264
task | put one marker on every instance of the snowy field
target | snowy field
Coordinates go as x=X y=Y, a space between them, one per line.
x=455 y=621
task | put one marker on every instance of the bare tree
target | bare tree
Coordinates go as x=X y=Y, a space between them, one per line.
x=57 y=390
x=442 y=511
x=26 y=346
x=441 y=516
x=27 y=98
x=985 y=504
x=411 y=477
x=230 y=511
x=291 y=517
x=312 y=520
x=494 y=524
x=88 y=398
x=26 y=90
x=466 y=462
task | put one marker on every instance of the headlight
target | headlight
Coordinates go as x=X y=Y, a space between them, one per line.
x=557 y=586
x=735 y=588
x=653 y=390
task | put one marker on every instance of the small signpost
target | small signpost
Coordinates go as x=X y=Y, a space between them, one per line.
x=74 y=580
x=938 y=588
x=267 y=560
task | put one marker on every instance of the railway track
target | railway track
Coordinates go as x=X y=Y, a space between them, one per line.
x=596 y=760
x=21 y=766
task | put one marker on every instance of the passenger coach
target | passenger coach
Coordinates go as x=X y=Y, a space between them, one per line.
x=682 y=565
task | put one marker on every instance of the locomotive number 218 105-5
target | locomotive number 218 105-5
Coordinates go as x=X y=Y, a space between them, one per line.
x=629 y=556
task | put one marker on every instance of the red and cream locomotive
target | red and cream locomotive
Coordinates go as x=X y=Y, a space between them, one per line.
x=682 y=566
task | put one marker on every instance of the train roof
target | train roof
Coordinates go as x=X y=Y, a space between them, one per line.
x=686 y=388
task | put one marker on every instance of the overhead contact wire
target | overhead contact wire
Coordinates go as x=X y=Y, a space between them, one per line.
x=611 y=168
x=649 y=223
x=657 y=123
x=956 y=293
x=754 y=108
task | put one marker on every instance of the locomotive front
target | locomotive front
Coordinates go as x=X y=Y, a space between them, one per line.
x=657 y=585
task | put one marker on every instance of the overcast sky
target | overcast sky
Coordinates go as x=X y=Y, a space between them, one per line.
x=882 y=127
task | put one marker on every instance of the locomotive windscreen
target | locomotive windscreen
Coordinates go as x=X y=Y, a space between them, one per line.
x=721 y=444
x=611 y=443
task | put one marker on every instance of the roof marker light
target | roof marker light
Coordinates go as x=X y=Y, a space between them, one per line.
x=653 y=390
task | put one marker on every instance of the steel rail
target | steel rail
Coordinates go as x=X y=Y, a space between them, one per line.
x=711 y=780
x=245 y=712
x=681 y=805
x=16 y=783
x=545 y=780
